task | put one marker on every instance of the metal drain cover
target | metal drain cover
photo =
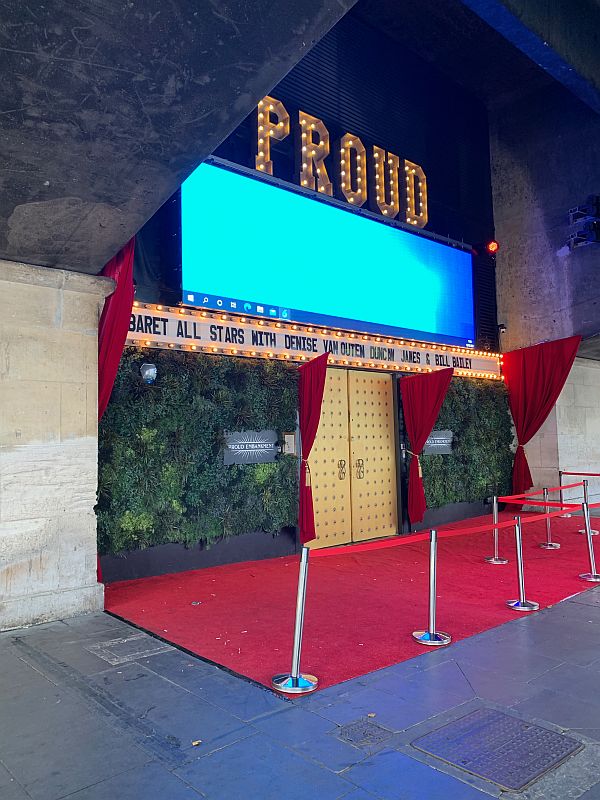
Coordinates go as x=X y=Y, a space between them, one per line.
x=364 y=732
x=498 y=747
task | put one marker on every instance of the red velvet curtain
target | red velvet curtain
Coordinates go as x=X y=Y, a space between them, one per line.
x=534 y=377
x=422 y=398
x=113 y=327
x=114 y=322
x=310 y=394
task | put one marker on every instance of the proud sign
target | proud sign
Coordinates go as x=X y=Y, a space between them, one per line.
x=391 y=185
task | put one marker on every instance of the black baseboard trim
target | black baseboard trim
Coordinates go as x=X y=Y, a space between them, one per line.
x=164 y=559
x=454 y=512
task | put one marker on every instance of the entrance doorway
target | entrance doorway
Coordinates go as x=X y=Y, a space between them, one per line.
x=353 y=460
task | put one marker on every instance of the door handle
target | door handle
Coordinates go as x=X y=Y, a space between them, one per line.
x=341 y=469
x=359 y=465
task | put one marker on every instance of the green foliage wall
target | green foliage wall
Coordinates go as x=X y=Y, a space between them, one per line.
x=161 y=472
x=481 y=460
x=162 y=477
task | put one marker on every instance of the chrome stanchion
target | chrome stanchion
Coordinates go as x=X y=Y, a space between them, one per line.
x=592 y=575
x=548 y=544
x=592 y=531
x=296 y=682
x=522 y=604
x=432 y=637
x=495 y=559
x=560 y=495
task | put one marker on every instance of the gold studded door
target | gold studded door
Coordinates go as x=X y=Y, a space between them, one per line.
x=373 y=455
x=330 y=465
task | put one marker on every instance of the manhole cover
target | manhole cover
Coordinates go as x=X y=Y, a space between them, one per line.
x=364 y=732
x=498 y=747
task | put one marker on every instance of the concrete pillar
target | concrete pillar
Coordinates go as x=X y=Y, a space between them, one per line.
x=570 y=438
x=578 y=425
x=48 y=443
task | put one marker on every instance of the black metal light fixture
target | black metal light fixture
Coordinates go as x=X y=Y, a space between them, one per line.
x=587 y=219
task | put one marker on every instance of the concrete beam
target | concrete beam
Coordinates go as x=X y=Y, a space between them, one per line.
x=561 y=36
x=107 y=107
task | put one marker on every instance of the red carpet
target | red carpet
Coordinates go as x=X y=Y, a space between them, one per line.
x=362 y=604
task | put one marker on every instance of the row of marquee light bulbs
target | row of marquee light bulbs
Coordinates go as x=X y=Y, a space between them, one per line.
x=323 y=331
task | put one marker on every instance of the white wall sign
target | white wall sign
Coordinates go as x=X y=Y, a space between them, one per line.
x=159 y=326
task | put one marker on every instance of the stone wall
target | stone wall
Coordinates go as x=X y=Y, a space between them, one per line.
x=570 y=437
x=48 y=443
x=545 y=160
x=578 y=425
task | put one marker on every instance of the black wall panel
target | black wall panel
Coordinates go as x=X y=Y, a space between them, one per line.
x=361 y=81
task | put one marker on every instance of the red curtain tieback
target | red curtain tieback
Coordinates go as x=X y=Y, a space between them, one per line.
x=307 y=474
x=416 y=455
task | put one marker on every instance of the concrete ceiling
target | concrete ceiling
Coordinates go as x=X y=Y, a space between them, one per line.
x=561 y=36
x=109 y=104
x=461 y=44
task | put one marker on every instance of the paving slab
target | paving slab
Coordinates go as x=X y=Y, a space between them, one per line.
x=592 y=794
x=580 y=682
x=568 y=712
x=391 y=775
x=53 y=762
x=496 y=687
x=10 y=788
x=311 y=736
x=150 y=782
x=241 y=698
x=390 y=711
x=263 y=769
x=178 y=715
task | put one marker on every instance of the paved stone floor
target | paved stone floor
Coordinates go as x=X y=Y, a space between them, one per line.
x=92 y=709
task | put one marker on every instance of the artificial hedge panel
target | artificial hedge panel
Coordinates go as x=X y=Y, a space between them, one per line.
x=161 y=472
x=481 y=460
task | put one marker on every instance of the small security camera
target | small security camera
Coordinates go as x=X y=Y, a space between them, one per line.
x=149 y=373
x=501 y=328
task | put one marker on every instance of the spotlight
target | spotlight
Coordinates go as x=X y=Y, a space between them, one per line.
x=501 y=328
x=149 y=373
x=492 y=247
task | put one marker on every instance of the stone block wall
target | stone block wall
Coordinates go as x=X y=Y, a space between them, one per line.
x=578 y=425
x=570 y=437
x=545 y=160
x=48 y=443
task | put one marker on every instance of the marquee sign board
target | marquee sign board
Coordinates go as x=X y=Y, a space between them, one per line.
x=250 y=447
x=185 y=329
x=439 y=443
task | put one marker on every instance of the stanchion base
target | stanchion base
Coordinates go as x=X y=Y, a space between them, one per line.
x=593 y=532
x=528 y=605
x=437 y=639
x=550 y=546
x=590 y=576
x=494 y=560
x=288 y=685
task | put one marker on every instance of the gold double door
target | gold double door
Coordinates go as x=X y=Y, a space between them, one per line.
x=353 y=460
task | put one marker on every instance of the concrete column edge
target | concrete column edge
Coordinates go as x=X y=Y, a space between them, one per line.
x=18 y=272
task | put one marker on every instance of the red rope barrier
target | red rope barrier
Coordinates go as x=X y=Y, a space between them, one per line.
x=591 y=474
x=549 y=503
x=510 y=497
x=508 y=524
